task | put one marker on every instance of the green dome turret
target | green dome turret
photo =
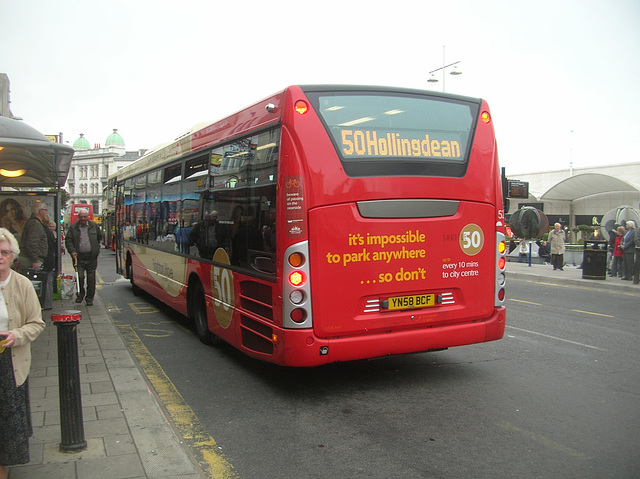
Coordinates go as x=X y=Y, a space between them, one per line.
x=81 y=143
x=114 y=139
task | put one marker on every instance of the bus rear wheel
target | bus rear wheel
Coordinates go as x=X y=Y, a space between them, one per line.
x=199 y=316
x=135 y=289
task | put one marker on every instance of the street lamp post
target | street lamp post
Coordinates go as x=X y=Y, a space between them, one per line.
x=444 y=66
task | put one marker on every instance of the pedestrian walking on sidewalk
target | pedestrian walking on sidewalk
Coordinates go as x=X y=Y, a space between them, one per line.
x=49 y=265
x=20 y=323
x=636 y=266
x=616 y=263
x=628 y=251
x=556 y=240
x=33 y=242
x=613 y=234
x=83 y=243
x=34 y=247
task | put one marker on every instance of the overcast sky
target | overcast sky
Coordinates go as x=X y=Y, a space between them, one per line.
x=562 y=78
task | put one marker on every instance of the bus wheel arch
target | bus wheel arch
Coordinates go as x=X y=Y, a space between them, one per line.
x=197 y=311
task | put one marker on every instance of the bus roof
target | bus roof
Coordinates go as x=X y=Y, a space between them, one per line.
x=205 y=134
x=390 y=89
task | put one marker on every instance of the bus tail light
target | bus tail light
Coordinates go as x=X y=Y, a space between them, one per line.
x=501 y=264
x=301 y=107
x=296 y=288
x=298 y=315
x=297 y=296
x=297 y=278
x=296 y=259
x=485 y=117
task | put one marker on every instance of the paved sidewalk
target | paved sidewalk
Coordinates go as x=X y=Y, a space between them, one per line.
x=127 y=432
x=570 y=275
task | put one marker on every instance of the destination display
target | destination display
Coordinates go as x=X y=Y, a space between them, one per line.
x=376 y=143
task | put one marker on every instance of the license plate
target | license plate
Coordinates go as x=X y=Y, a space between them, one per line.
x=411 y=302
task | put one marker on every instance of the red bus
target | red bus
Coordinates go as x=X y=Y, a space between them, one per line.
x=334 y=223
x=73 y=216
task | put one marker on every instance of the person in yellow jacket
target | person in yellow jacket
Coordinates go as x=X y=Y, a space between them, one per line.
x=20 y=324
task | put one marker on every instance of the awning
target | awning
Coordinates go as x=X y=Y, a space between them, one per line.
x=588 y=184
x=30 y=159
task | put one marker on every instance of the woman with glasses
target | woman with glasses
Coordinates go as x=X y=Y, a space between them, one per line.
x=20 y=323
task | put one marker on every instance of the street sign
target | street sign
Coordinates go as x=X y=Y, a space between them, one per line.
x=518 y=189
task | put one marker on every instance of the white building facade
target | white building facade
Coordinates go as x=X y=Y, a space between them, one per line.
x=580 y=196
x=91 y=167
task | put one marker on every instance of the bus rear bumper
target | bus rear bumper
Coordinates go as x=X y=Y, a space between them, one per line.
x=313 y=351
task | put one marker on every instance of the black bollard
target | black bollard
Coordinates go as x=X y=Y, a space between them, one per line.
x=71 y=424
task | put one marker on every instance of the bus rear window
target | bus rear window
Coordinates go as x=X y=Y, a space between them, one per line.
x=384 y=127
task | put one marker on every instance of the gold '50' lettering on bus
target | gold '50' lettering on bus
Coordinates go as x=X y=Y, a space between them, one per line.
x=368 y=143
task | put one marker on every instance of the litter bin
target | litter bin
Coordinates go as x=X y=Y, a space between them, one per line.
x=594 y=259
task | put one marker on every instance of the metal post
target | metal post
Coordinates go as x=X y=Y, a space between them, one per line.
x=71 y=424
x=443 y=68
